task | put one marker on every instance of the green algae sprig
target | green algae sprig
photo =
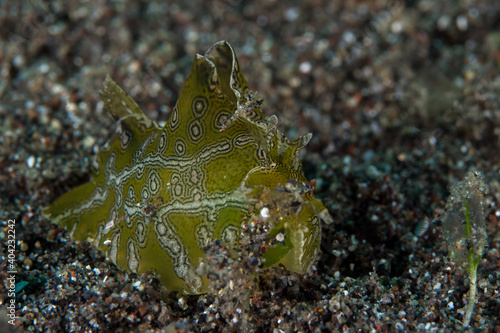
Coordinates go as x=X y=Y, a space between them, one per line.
x=158 y=195
x=464 y=228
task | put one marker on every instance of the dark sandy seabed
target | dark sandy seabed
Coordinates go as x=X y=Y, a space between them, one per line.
x=403 y=99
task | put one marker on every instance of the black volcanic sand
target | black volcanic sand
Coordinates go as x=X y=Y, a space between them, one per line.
x=403 y=100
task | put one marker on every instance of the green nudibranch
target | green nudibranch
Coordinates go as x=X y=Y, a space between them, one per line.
x=158 y=195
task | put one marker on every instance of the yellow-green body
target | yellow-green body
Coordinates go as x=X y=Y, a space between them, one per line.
x=159 y=195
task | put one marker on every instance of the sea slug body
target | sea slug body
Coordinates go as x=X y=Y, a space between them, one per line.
x=159 y=195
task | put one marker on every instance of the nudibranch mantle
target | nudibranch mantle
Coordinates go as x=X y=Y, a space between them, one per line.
x=158 y=196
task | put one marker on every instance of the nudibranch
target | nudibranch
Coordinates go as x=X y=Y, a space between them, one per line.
x=158 y=196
